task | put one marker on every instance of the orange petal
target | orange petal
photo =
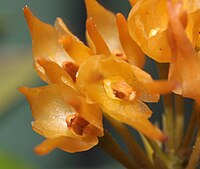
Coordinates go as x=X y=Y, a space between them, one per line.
x=75 y=48
x=147 y=24
x=133 y=52
x=161 y=86
x=96 y=38
x=54 y=73
x=67 y=144
x=44 y=39
x=49 y=109
x=105 y=22
x=185 y=65
x=89 y=111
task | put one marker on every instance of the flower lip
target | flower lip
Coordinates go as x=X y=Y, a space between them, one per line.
x=76 y=123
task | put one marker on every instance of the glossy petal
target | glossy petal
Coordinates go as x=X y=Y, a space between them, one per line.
x=185 y=65
x=45 y=39
x=133 y=52
x=95 y=38
x=106 y=24
x=54 y=73
x=75 y=48
x=67 y=144
x=148 y=22
x=134 y=113
x=51 y=107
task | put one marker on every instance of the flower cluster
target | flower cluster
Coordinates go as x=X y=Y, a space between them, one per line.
x=106 y=77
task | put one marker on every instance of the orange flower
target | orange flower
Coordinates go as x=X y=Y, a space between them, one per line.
x=109 y=34
x=61 y=114
x=185 y=63
x=148 y=22
x=54 y=43
x=120 y=89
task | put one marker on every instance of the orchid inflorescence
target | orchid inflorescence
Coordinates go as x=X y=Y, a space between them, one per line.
x=106 y=79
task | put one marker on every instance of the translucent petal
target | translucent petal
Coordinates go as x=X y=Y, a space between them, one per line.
x=51 y=106
x=95 y=38
x=147 y=24
x=133 y=52
x=54 y=73
x=106 y=24
x=76 y=49
x=44 y=39
x=67 y=144
x=185 y=65
x=134 y=113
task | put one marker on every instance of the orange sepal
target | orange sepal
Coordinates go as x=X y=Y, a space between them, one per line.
x=133 y=52
x=97 y=40
x=106 y=24
x=73 y=46
x=44 y=39
x=147 y=25
x=67 y=144
x=54 y=73
x=184 y=68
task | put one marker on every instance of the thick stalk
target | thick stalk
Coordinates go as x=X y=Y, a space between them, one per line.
x=135 y=150
x=109 y=145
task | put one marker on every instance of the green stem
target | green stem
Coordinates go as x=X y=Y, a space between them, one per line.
x=194 y=159
x=135 y=150
x=109 y=145
x=160 y=159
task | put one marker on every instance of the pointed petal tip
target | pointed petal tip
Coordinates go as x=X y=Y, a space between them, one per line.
x=25 y=7
x=41 y=151
x=26 y=10
x=23 y=90
x=41 y=61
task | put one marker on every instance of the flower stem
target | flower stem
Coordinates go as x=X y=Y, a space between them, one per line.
x=109 y=145
x=160 y=159
x=179 y=119
x=190 y=130
x=134 y=148
x=194 y=159
x=168 y=109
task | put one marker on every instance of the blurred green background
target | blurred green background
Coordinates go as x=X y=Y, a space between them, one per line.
x=16 y=136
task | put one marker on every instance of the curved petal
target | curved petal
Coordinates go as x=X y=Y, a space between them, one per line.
x=133 y=113
x=51 y=108
x=193 y=27
x=45 y=39
x=67 y=144
x=147 y=23
x=185 y=65
x=75 y=48
x=105 y=67
x=106 y=24
x=133 y=52
x=96 y=39
x=54 y=73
